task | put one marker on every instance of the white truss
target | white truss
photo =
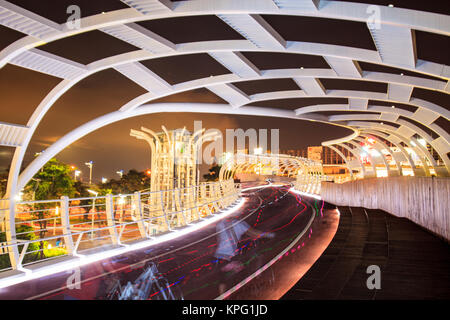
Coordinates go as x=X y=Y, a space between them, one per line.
x=425 y=116
x=12 y=135
x=148 y=6
x=311 y=86
x=145 y=78
x=230 y=93
x=48 y=63
x=344 y=67
x=357 y=104
x=27 y=22
x=399 y=92
x=236 y=63
x=255 y=29
x=302 y=5
x=394 y=41
x=395 y=44
x=140 y=37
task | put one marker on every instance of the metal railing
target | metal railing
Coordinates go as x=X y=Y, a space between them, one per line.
x=310 y=183
x=52 y=229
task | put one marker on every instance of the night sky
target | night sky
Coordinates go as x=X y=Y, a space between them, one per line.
x=111 y=148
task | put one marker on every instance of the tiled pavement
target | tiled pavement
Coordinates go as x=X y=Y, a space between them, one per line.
x=414 y=263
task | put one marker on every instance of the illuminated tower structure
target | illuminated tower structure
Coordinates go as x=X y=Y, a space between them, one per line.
x=174 y=157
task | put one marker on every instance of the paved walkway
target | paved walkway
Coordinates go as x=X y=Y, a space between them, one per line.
x=414 y=263
x=188 y=265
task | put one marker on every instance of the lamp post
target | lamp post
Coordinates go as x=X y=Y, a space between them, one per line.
x=90 y=165
x=120 y=173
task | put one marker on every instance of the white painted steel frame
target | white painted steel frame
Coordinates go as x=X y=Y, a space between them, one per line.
x=245 y=17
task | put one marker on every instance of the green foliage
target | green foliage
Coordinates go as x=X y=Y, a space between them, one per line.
x=81 y=190
x=3 y=182
x=53 y=252
x=53 y=181
x=132 y=181
x=24 y=232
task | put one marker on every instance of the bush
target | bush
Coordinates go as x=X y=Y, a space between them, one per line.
x=53 y=252
x=4 y=258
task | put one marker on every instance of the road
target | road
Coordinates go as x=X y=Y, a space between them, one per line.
x=186 y=267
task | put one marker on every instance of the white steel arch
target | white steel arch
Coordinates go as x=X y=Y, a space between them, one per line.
x=244 y=16
x=245 y=163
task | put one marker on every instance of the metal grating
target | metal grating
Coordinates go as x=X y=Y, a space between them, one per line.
x=48 y=63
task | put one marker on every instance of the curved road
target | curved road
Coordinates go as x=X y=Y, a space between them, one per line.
x=186 y=267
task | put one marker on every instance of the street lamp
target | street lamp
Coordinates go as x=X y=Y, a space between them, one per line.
x=76 y=174
x=104 y=180
x=18 y=197
x=90 y=165
x=95 y=194
x=120 y=173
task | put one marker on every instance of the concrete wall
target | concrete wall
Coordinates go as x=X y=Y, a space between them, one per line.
x=423 y=200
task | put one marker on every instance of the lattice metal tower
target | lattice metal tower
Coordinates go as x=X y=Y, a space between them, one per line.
x=173 y=157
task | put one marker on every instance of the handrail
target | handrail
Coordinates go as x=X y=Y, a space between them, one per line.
x=115 y=220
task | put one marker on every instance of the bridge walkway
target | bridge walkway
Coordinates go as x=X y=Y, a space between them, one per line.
x=414 y=263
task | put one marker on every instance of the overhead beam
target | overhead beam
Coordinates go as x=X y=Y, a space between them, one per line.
x=396 y=45
x=311 y=86
x=254 y=28
x=48 y=63
x=25 y=21
x=230 y=93
x=140 y=37
x=357 y=104
x=12 y=135
x=144 y=77
x=344 y=67
x=149 y=6
x=425 y=116
x=302 y=5
x=236 y=63
x=388 y=116
x=399 y=92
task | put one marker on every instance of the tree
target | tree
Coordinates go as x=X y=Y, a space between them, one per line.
x=132 y=181
x=213 y=174
x=3 y=182
x=23 y=233
x=51 y=182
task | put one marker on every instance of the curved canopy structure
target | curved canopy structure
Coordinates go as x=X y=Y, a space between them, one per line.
x=268 y=164
x=395 y=116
